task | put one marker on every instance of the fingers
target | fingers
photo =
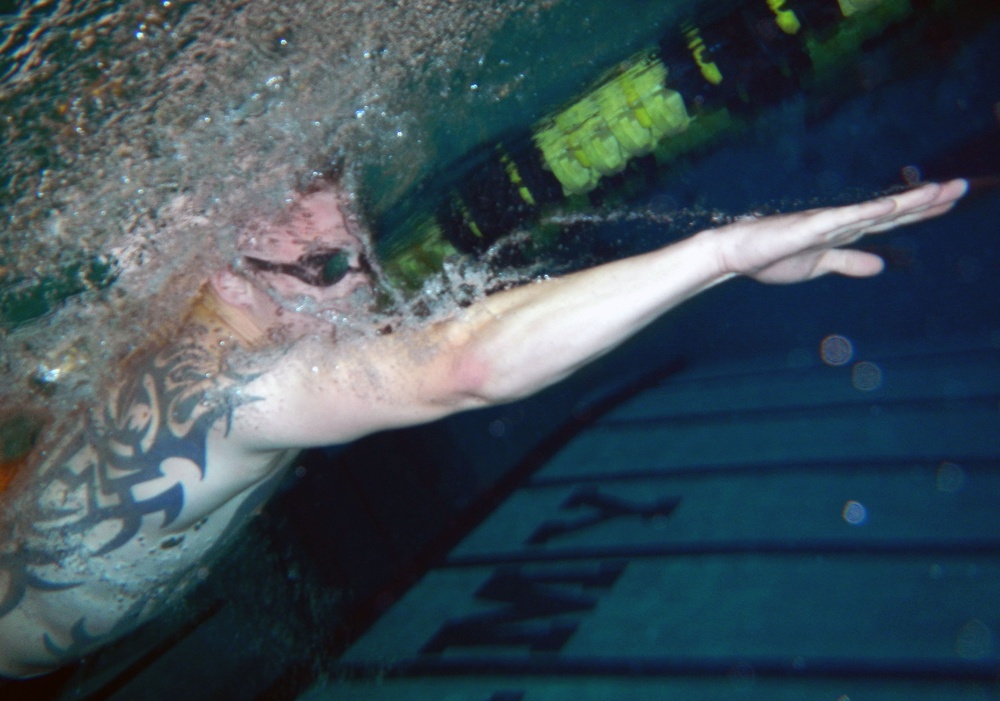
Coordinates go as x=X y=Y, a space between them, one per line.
x=944 y=199
x=929 y=213
x=954 y=190
x=924 y=202
x=932 y=196
x=885 y=213
x=843 y=261
x=797 y=246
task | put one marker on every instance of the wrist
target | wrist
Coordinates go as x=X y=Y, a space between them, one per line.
x=711 y=251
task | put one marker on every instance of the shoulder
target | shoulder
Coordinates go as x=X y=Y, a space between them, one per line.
x=173 y=415
x=91 y=533
x=318 y=392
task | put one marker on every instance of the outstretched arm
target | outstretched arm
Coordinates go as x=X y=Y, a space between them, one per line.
x=517 y=342
x=535 y=335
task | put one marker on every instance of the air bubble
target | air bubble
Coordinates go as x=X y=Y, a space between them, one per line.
x=911 y=175
x=836 y=350
x=855 y=513
x=974 y=641
x=950 y=478
x=866 y=376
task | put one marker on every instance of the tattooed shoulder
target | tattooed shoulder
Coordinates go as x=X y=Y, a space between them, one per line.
x=107 y=487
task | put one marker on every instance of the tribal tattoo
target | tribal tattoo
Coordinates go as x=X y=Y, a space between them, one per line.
x=100 y=482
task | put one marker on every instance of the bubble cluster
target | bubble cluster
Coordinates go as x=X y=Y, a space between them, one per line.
x=148 y=135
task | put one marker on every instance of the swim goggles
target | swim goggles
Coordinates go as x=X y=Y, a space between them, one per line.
x=320 y=269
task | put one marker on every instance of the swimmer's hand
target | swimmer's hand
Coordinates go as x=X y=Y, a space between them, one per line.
x=801 y=246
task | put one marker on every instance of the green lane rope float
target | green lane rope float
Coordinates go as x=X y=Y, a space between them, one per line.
x=622 y=119
x=700 y=81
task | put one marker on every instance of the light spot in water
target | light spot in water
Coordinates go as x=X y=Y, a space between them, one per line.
x=866 y=376
x=975 y=640
x=836 y=350
x=950 y=478
x=855 y=513
x=911 y=175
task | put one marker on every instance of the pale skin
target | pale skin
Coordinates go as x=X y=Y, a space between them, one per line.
x=320 y=392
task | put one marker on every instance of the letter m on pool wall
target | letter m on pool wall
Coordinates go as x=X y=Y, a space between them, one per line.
x=537 y=609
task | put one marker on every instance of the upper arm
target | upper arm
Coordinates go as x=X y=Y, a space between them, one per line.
x=318 y=393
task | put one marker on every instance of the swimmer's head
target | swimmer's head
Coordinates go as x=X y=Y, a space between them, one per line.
x=297 y=275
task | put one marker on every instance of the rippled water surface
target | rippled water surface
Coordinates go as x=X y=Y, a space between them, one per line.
x=139 y=137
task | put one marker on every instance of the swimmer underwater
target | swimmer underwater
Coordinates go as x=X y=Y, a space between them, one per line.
x=130 y=500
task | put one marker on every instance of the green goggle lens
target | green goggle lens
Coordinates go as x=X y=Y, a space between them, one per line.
x=336 y=268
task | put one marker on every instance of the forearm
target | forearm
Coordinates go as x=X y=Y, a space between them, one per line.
x=525 y=339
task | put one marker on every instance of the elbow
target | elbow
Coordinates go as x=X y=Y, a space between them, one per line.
x=471 y=373
x=475 y=382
